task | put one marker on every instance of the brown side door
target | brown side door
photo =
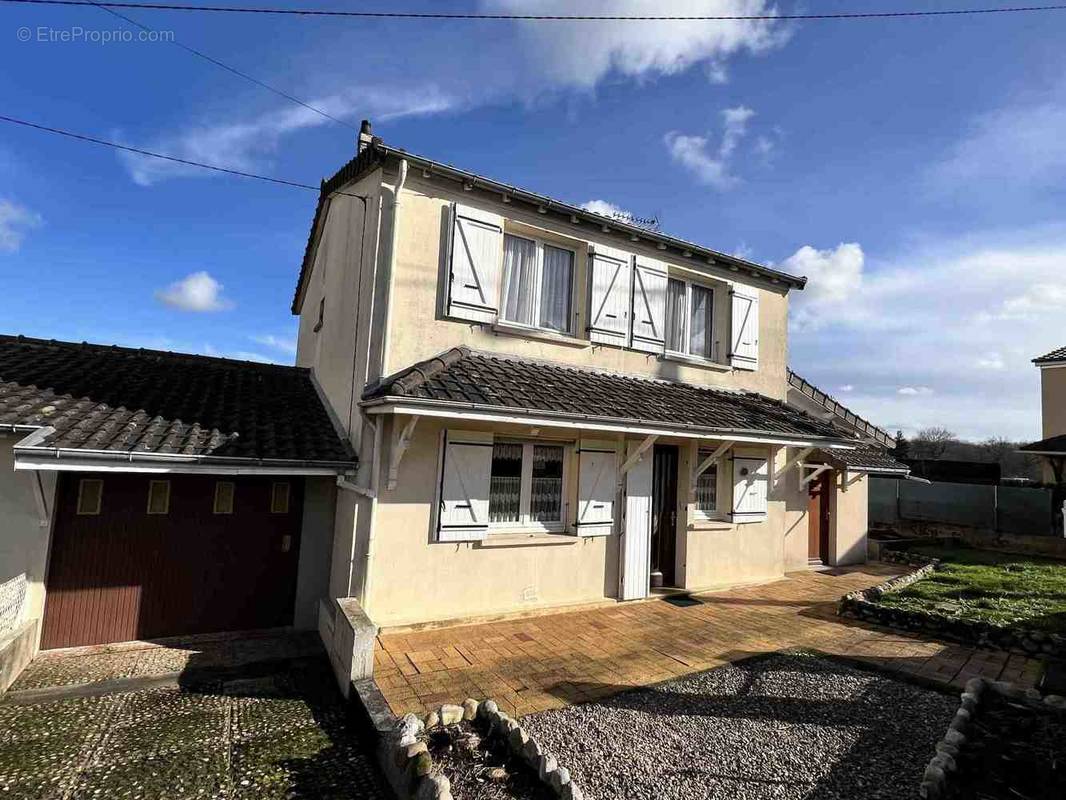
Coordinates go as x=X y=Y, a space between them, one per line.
x=818 y=519
x=124 y=574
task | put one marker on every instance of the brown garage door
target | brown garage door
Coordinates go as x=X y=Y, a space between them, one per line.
x=123 y=573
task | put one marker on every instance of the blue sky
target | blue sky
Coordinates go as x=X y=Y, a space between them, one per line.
x=913 y=169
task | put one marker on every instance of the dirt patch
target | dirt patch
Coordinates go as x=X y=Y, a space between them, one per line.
x=481 y=767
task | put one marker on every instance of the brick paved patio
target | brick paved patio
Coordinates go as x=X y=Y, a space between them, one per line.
x=549 y=661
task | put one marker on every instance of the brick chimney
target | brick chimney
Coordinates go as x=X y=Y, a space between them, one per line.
x=365 y=136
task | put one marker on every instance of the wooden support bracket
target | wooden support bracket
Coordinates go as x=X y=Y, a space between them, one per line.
x=802 y=454
x=708 y=462
x=817 y=469
x=637 y=456
x=399 y=447
x=44 y=514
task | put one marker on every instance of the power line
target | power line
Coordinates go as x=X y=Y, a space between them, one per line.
x=227 y=67
x=431 y=15
x=92 y=139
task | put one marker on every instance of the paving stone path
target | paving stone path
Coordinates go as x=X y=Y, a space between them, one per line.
x=551 y=661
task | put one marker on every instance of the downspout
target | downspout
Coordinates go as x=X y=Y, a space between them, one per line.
x=375 y=485
x=394 y=240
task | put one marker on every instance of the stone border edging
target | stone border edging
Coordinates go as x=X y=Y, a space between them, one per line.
x=409 y=766
x=935 y=778
x=863 y=605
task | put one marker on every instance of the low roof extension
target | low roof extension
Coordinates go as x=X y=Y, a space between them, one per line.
x=114 y=405
x=377 y=154
x=461 y=382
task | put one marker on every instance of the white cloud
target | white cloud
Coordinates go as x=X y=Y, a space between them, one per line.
x=847 y=387
x=15 y=221
x=283 y=344
x=196 y=292
x=581 y=55
x=498 y=62
x=1016 y=146
x=695 y=152
x=925 y=335
x=834 y=278
x=246 y=145
x=605 y=209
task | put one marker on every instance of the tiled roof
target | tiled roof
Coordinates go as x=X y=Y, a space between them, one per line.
x=461 y=375
x=147 y=401
x=1054 y=355
x=1054 y=444
x=845 y=415
x=868 y=459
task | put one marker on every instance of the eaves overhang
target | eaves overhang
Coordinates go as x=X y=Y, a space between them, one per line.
x=398 y=404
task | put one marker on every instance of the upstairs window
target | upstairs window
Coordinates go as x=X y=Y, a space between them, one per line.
x=526 y=485
x=538 y=283
x=689 y=319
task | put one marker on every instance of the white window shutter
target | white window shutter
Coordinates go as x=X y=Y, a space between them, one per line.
x=609 y=280
x=649 y=305
x=751 y=479
x=464 y=486
x=597 y=487
x=475 y=264
x=744 y=336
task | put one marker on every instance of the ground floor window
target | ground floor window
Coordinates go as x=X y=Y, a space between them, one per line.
x=707 y=488
x=526 y=485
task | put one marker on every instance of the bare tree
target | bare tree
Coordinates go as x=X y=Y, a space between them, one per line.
x=931 y=442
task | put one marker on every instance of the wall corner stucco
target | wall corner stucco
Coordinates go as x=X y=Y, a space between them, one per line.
x=849 y=520
x=348 y=636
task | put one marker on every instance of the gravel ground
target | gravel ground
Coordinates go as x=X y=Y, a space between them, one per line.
x=780 y=726
x=280 y=736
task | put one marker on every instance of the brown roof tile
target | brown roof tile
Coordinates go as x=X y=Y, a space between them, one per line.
x=120 y=399
x=461 y=375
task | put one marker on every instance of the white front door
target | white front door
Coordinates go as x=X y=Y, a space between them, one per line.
x=636 y=535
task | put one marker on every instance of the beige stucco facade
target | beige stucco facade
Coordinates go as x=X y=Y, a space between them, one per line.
x=24 y=544
x=1053 y=400
x=384 y=550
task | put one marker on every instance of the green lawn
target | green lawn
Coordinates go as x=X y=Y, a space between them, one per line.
x=999 y=588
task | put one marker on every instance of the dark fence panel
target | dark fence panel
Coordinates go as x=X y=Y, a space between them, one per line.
x=1008 y=509
x=1025 y=510
x=882 y=499
x=953 y=503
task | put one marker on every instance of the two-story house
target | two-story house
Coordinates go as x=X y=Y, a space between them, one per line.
x=1052 y=448
x=553 y=407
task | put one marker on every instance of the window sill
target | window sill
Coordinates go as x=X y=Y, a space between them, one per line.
x=512 y=329
x=525 y=538
x=711 y=525
x=695 y=360
x=748 y=518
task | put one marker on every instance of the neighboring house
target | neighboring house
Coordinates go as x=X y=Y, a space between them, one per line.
x=146 y=494
x=554 y=407
x=1052 y=448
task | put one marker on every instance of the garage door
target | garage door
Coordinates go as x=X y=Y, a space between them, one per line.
x=138 y=557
